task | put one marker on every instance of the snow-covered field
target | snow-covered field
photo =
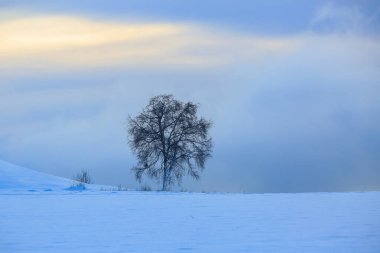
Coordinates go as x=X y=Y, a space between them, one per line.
x=33 y=219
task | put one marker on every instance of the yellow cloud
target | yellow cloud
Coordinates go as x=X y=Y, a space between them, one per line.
x=54 y=33
x=55 y=42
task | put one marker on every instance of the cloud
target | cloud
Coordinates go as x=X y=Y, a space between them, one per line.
x=59 y=42
x=346 y=19
x=290 y=113
x=65 y=41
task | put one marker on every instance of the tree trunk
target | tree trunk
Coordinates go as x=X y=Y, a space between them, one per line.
x=164 y=180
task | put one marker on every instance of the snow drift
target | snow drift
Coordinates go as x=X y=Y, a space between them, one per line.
x=13 y=177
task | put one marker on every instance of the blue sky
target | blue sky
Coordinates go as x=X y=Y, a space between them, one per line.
x=291 y=86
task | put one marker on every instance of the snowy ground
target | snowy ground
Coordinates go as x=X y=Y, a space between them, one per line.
x=105 y=221
x=14 y=178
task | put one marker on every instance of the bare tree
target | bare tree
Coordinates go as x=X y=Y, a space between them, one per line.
x=83 y=177
x=169 y=140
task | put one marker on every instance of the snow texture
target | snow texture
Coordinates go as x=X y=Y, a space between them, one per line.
x=109 y=221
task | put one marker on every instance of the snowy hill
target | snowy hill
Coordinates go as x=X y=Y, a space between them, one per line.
x=13 y=177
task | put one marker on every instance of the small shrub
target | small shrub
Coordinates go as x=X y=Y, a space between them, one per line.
x=83 y=177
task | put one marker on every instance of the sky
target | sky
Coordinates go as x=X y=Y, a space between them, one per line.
x=292 y=88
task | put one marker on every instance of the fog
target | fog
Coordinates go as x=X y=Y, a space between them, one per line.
x=292 y=112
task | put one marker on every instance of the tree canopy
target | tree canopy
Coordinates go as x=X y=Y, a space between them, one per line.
x=169 y=140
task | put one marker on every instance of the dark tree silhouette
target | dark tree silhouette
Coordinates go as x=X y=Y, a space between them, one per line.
x=83 y=177
x=169 y=140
